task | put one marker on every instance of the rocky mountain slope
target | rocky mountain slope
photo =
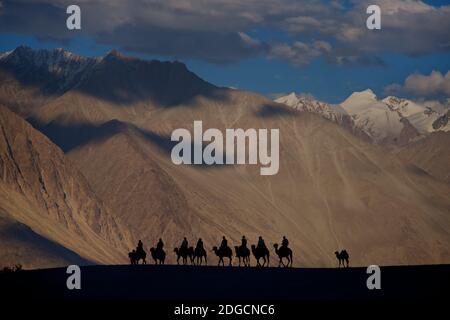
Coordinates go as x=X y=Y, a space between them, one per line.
x=48 y=211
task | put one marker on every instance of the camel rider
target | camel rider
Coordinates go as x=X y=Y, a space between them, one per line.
x=244 y=242
x=284 y=242
x=140 y=247
x=160 y=244
x=261 y=243
x=224 y=243
x=184 y=244
x=200 y=243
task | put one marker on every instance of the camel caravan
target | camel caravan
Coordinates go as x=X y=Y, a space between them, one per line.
x=197 y=256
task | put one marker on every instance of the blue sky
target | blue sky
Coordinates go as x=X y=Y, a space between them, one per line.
x=270 y=62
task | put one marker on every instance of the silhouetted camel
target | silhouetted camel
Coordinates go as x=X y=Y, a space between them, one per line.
x=132 y=256
x=244 y=253
x=283 y=252
x=342 y=257
x=223 y=253
x=159 y=255
x=261 y=253
x=199 y=254
x=135 y=256
x=184 y=253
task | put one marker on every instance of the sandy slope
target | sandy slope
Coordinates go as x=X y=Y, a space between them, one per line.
x=41 y=189
x=332 y=191
x=431 y=154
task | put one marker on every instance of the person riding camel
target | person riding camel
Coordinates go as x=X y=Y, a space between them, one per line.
x=244 y=242
x=200 y=243
x=140 y=247
x=284 y=242
x=261 y=244
x=160 y=244
x=224 y=243
x=184 y=244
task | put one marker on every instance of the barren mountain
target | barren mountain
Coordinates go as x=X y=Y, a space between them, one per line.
x=48 y=211
x=432 y=154
x=333 y=189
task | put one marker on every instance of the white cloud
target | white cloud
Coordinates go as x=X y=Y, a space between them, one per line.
x=299 y=53
x=433 y=85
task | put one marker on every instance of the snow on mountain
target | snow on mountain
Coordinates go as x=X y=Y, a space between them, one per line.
x=309 y=104
x=391 y=120
x=373 y=116
x=65 y=67
x=425 y=117
x=4 y=54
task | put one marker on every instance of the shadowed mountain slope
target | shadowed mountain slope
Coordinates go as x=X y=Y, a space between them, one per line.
x=41 y=189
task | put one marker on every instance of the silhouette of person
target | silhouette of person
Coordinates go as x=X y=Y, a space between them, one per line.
x=184 y=244
x=261 y=243
x=200 y=243
x=244 y=242
x=284 y=242
x=140 y=247
x=224 y=243
x=160 y=244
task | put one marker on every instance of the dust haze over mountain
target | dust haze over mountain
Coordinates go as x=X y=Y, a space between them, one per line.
x=113 y=117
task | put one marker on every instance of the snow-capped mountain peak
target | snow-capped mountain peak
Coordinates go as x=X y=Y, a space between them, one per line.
x=61 y=65
x=289 y=99
x=360 y=98
x=390 y=120
x=425 y=117
x=310 y=104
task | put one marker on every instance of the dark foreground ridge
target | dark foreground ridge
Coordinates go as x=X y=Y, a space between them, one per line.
x=190 y=283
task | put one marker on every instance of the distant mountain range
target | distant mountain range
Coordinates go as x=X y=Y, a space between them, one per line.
x=398 y=124
x=104 y=178
x=389 y=121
